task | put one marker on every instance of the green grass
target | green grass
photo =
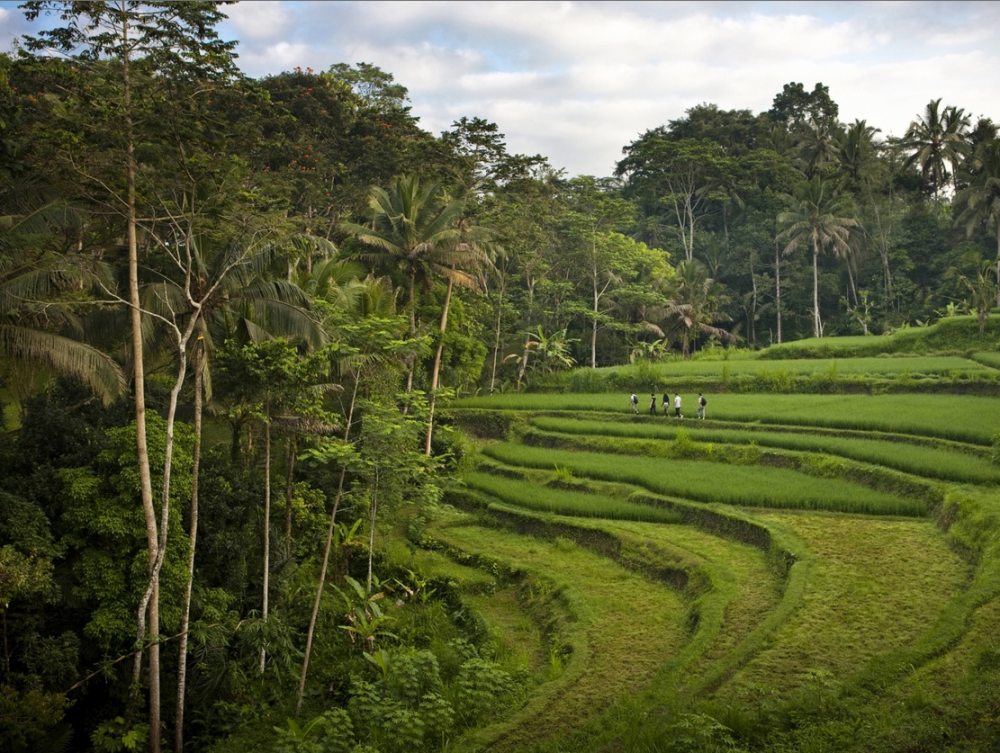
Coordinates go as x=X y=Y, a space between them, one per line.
x=956 y=333
x=566 y=502
x=741 y=577
x=699 y=480
x=966 y=418
x=832 y=621
x=876 y=586
x=624 y=621
x=988 y=358
x=932 y=461
x=883 y=366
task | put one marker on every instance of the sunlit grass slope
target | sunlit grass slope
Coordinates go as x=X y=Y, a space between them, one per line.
x=700 y=480
x=603 y=599
x=934 y=460
x=968 y=418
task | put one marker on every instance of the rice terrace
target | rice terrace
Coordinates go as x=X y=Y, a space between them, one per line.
x=813 y=569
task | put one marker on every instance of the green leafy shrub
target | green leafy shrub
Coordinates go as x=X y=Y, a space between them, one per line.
x=330 y=732
x=482 y=689
x=412 y=674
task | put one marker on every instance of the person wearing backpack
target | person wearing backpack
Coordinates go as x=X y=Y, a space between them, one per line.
x=634 y=400
x=702 y=402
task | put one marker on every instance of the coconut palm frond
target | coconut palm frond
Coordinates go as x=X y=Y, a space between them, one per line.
x=282 y=319
x=66 y=356
x=314 y=245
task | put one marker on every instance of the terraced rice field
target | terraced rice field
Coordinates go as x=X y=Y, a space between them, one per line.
x=874 y=366
x=732 y=576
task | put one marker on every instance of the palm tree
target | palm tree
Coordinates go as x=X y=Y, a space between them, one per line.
x=420 y=230
x=552 y=352
x=858 y=157
x=817 y=146
x=979 y=203
x=856 y=152
x=982 y=289
x=819 y=219
x=936 y=140
x=468 y=258
x=414 y=229
x=695 y=301
x=38 y=325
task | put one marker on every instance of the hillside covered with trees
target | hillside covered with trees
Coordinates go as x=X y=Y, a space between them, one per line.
x=235 y=314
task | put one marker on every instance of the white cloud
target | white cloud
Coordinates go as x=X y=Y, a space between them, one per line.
x=265 y=19
x=577 y=81
x=275 y=58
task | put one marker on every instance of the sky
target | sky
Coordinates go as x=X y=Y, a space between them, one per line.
x=578 y=81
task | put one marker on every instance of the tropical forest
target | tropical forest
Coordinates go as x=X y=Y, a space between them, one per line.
x=323 y=433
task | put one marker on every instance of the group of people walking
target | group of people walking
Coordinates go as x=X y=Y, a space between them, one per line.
x=634 y=401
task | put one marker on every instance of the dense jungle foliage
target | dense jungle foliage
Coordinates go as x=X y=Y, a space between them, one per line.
x=233 y=312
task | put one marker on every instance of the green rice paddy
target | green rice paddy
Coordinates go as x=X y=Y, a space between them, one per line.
x=966 y=418
x=930 y=460
x=704 y=481
x=799 y=590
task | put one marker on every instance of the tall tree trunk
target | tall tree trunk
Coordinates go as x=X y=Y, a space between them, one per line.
x=290 y=451
x=372 y=515
x=193 y=542
x=326 y=555
x=597 y=302
x=690 y=243
x=777 y=286
x=413 y=330
x=852 y=291
x=817 y=323
x=150 y=606
x=883 y=251
x=437 y=368
x=752 y=324
x=523 y=363
x=267 y=529
x=496 y=338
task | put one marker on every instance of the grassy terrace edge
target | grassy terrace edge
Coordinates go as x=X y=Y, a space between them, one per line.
x=972 y=419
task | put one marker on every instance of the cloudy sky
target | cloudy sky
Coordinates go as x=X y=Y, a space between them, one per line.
x=576 y=81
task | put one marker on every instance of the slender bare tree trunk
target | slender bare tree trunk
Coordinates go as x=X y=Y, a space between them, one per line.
x=817 y=323
x=372 y=514
x=523 y=363
x=496 y=337
x=850 y=283
x=883 y=251
x=437 y=368
x=753 y=304
x=148 y=608
x=413 y=330
x=777 y=286
x=193 y=542
x=290 y=452
x=310 y=633
x=597 y=300
x=267 y=530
